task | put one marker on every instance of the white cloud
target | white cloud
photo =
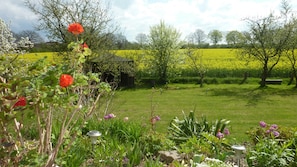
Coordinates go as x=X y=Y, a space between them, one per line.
x=137 y=16
x=188 y=15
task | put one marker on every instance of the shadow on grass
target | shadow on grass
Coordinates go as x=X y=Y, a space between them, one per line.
x=251 y=94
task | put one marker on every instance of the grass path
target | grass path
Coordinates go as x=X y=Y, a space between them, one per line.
x=243 y=105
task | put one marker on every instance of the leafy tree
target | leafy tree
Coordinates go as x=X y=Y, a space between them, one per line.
x=215 y=36
x=164 y=42
x=55 y=15
x=266 y=39
x=234 y=38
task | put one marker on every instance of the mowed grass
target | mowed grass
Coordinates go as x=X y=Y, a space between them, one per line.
x=243 y=105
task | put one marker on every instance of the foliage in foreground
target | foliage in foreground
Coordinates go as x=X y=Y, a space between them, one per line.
x=273 y=145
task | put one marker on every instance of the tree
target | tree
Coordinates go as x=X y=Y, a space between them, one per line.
x=163 y=43
x=215 y=36
x=234 y=38
x=194 y=58
x=32 y=35
x=120 y=41
x=266 y=40
x=290 y=50
x=141 y=39
x=55 y=15
x=198 y=37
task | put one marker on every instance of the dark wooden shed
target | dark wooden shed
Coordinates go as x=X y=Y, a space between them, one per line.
x=114 y=69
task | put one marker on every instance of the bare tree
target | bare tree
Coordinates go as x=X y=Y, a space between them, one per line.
x=33 y=36
x=266 y=40
x=198 y=37
x=194 y=57
x=290 y=50
x=55 y=15
x=142 y=39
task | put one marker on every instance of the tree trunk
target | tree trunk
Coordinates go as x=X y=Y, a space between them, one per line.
x=245 y=75
x=291 y=78
x=201 y=80
x=264 y=75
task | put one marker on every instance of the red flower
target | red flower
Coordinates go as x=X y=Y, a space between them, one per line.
x=75 y=28
x=66 y=80
x=84 y=46
x=21 y=102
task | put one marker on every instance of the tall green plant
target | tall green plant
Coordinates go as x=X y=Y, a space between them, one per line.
x=182 y=130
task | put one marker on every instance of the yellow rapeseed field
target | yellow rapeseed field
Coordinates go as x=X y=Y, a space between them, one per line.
x=211 y=58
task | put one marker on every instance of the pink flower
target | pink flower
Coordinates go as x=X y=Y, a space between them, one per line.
x=220 y=135
x=109 y=116
x=155 y=119
x=273 y=127
x=226 y=131
x=262 y=124
x=276 y=133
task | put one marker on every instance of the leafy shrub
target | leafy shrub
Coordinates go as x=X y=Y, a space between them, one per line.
x=265 y=130
x=181 y=130
x=152 y=142
x=273 y=145
x=207 y=145
x=270 y=152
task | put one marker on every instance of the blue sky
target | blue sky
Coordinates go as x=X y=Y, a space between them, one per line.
x=137 y=16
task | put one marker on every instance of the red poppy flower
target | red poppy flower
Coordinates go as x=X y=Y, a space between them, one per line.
x=66 y=80
x=75 y=28
x=85 y=45
x=21 y=102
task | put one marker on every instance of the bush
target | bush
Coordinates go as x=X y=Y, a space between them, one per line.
x=273 y=145
x=271 y=152
x=181 y=130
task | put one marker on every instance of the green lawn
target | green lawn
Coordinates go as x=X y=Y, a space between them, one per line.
x=243 y=105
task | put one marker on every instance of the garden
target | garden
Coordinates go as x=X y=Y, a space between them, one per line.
x=56 y=114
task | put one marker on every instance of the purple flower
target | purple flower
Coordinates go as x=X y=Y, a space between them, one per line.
x=262 y=124
x=109 y=116
x=268 y=131
x=273 y=127
x=226 y=131
x=275 y=133
x=220 y=135
x=155 y=119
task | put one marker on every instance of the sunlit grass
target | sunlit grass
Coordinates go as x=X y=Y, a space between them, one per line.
x=243 y=105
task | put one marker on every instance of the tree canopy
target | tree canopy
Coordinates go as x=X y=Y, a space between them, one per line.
x=55 y=15
x=163 y=42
